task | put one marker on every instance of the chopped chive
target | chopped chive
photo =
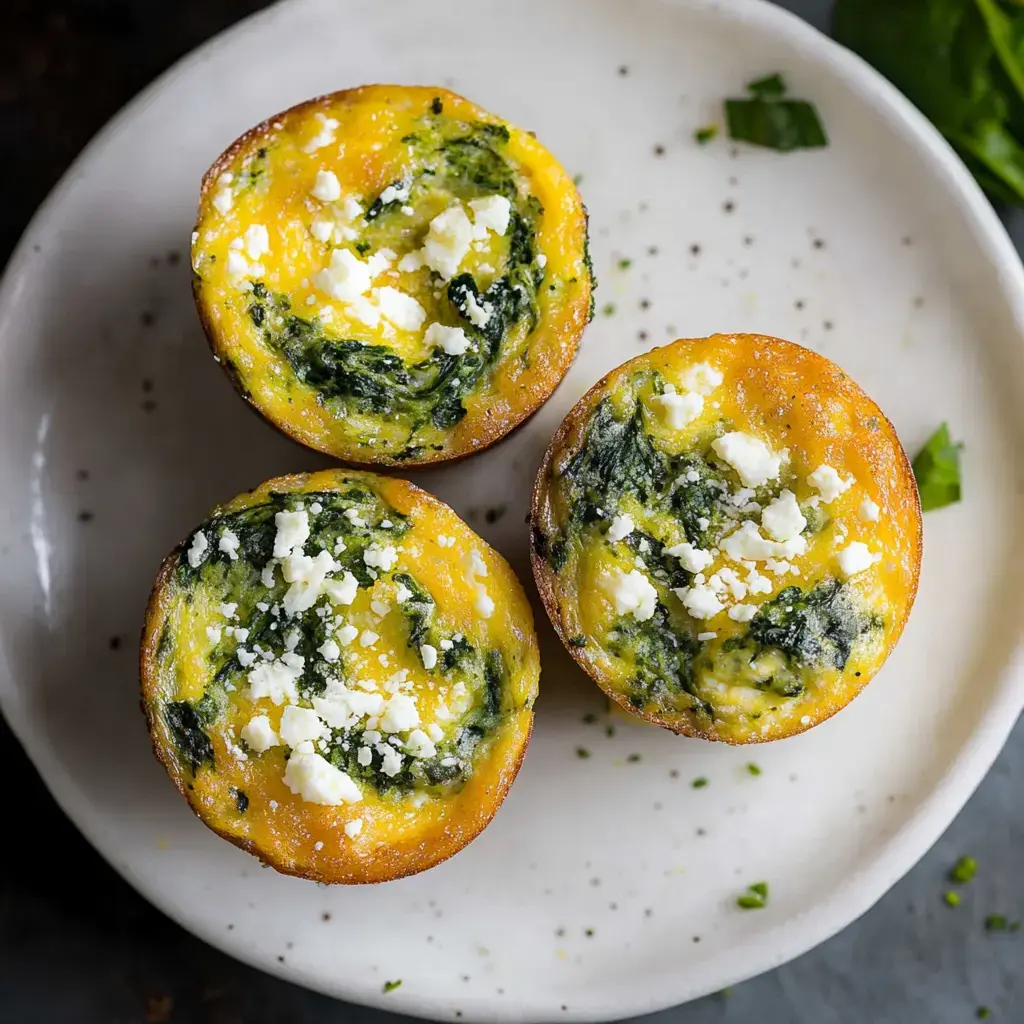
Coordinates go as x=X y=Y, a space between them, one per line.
x=609 y=730
x=753 y=769
x=582 y=753
x=1000 y=923
x=633 y=758
x=589 y=718
x=699 y=783
x=625 y=264
x=952 y=898
x=964 y=870
x=704 y=135
x=983 y=1013
x=608 y=309
x=755 y=898
x=390 y=986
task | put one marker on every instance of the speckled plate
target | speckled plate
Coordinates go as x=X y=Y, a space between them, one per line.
x=607 y=884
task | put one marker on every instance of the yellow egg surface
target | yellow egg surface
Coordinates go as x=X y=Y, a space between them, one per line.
x=727 y=537
x=339 y=676
x=390 y=274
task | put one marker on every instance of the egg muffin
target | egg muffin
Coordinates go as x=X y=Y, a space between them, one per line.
x=390 y=274
x=339 y=676
x=727 y=537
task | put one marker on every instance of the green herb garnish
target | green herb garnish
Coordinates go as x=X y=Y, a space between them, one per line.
x=755 y=898
x=753 y=769
x=951 y=898
x=699 y=783
x=937 y=471
x=1000 y=923
x=768 y=119
x=964 y=870
x=582 y=753
x=625 y=264
x=390 y=986
x=983 y=1013
x=704 y=135
x=608 y=309
x=633 y=758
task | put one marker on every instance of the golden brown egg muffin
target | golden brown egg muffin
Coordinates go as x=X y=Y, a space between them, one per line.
x=727 y=537
x=390 y=274
x=339 y=676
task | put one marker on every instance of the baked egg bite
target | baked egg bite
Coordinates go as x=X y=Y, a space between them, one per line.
x=390 y=274
x=339 y=676
x=727 y=537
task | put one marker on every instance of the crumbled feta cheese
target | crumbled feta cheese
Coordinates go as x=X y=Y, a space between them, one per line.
x=706 y=636
x=753 y=460
x=258 y=735
x=316 y=508
x=758 y=584
x=353 y=827
x=377 y=557
x=364 y=755
x=829 y=483
x=700 y=600
x=742 y=612
x=391 y=760
x=622 y=526
x=448 y=241
x=325 y=132
x=479 y=313
x=213 y=634
x=435 y=732
x=245 y=658
x=317 y=781
x=401 y=309
x=379 y=608
x=451 y=340
x=228 y=609
x=747 y=544
x=276 y=680
x=419 y=744
x=402 y=594
x=352 y=515
x=492 y=213
x=728 y=579
x=329 y=650
x=368 y=638
x=342 y=591
x=691 y=558
x=429 y=655
x=702 y=378
x=782 y=519
x=780 y=568
x=197 y=549
x=411 y=262
x=327 y=188
x=346 y=277
x=292 y=532
x=855 y=558
x=299 y=724
x=678 y=410
x=267 y=575
x=868 y=511
x=308 y=578
x=228 y=544
x=634 y=593
x=400 y=715
x=223 y=199
x=342 y=708
x=346 y=635
x=484 y=602
x=397 y=193
x=257 y=241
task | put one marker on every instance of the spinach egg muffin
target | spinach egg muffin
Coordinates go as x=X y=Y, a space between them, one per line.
x=339 y=676
x=390 y=274
x=727 y=537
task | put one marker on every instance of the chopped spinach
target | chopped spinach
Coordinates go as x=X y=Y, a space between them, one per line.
x=755 y=898
x=187 y=725
x=767 y=119
x=937 y=471
x=241 y=801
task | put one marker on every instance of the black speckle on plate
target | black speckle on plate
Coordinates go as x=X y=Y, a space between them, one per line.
x=659 y=149
x=85 y=516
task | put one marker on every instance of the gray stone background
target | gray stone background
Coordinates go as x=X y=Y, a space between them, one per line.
x=78 y=946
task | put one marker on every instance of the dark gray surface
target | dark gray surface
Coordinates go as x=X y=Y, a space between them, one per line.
x=77 y=945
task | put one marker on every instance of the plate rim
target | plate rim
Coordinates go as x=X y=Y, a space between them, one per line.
x=934 y=813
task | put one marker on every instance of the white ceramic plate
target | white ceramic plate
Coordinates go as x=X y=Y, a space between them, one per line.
x=606 y=886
